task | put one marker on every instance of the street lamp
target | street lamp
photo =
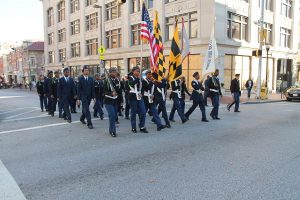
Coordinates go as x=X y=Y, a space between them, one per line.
x=267 y=67
x=100 y=30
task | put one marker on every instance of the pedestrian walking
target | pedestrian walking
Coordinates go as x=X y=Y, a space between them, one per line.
x=249 y=86
x=215 y=93
x=137 y=105
x=65 y=93
x=236 y=93
x=98 y=86
x=111 y=99
x=85 y=94
x=197 y=98
x=41 y=93
x=47 y=91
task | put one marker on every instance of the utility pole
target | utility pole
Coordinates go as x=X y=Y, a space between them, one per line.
x=260 y=48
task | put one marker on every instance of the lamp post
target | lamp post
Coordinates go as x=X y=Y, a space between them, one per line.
x=100 y=31
x=267 y=67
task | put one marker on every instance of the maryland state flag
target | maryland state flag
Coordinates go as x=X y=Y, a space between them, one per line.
x=175 y=67
x=160 y=69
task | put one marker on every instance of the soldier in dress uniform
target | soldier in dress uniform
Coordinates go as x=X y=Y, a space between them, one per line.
x=74 y=100
x=98 y=85
x=126 y=91
x=53 y=92
x=148 y=96
x=111 y=99
x=176 y=97
x=215 y=93
x=137 y=105
x=160 y=99
x=120 y=100
x=197 y=98
x=47 y=90
x=41 y=93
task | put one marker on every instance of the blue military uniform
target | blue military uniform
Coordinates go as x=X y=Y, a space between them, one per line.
x=53 y=94
x=41 y=93
x=214 y=93
x=98 y=86
x=47 y=84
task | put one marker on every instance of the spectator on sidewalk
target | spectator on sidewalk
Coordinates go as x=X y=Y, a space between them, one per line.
x=236 y=93
x=249 y=85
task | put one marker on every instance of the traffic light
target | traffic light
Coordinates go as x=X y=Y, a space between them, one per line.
x=257 y=53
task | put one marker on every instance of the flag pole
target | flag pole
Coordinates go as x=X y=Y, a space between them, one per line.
x=141 y=53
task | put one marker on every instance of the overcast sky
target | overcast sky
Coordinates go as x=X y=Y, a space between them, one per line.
x=21 y=20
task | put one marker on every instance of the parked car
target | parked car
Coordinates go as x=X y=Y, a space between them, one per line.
x=293 y=93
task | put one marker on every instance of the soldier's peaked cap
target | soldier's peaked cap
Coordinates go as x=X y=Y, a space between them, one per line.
x=195 y=74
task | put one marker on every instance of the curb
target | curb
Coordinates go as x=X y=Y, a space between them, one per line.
x=263 y=102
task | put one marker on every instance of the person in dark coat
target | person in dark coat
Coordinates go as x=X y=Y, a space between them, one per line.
x=206 y=90
x=98 y=85
x=73 y=102
x=111 y=99
x=41 y=93
x=249 y=86
x=236 y=93
x=65 y=93
x=126 y=91
x=197 y=98
x=85 y=94
x=53 y=92
x=47 y=90
x=215 y=93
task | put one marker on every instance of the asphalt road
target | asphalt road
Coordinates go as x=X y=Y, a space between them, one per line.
x=251 y=155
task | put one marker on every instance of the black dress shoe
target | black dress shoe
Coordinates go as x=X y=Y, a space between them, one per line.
x=187 y=117
x=172 y=120
x=237 y=111
x=161 y=127
x=144 y=130
x=134 y=130
x=228 y=108
x=95 y=116
x=113 y=134
x=168 y=126
x=65 y=118
x=217 y=118
x=127 y=118
x=184 y=121
x=69 y=121
x=83 y=122
x=42 y=110
x=101 y=117
x=90 y=126
x=60 y=116
x=213 y=117
x=204 y=120
x=117 y=122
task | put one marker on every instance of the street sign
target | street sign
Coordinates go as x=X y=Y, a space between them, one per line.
x=101 y=50
x=101 y=57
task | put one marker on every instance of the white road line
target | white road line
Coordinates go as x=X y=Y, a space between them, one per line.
x=14 y=110
x=10 y=97
x=26 y=118
x=10 y=117
x=9 y=189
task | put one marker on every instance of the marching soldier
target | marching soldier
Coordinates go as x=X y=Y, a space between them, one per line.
x=111 y=99
x=137 y=105
x=184 y=91
x=148 y=96
x=47 y=90
x=120 y=95
x=126 y=91
x=176 y=97
x=41 y=93
x=65 y=92
x=160 y=99
x=98 y=85
x=73 y=102
x=85 y=94
x=215 y=93
x=197 y=98
x=53 y=92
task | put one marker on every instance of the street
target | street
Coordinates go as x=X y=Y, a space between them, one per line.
x=251 y=155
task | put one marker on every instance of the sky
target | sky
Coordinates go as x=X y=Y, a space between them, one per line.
x=21 y=20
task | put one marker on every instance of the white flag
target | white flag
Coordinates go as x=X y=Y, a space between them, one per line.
x=185 y=43
x=211 y=57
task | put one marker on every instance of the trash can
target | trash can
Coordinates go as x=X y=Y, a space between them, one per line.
x=264 y=93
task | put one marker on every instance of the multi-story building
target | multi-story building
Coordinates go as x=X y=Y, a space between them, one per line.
x=73 y=34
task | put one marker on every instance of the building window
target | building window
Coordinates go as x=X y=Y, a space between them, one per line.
x=75 y=27
x=62 y=55
x=286 y=8
x=190 y=22
x=50 y=38
x=50 y=14
x=75 y=48
x=91 y=21
x=61 y=11
x=237 y=27
x=32 y=61
x=62 y=35
x=268 y=27
x=268 y=4
x=114 y=38
x=135 y=35
x=92 y=47
x=285 y=37
x=51 y=56
x=74 y=6
x=136 y=5
x=113 y=10
x=90 y=2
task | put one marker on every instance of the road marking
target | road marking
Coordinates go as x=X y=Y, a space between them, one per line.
x=9 y=189
x=26 y=118
x=14 y=110
x=10 y=97
x=10 y=117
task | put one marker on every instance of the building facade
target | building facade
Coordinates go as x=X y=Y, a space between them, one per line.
x=74 y=29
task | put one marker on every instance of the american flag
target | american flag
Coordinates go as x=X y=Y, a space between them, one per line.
x=147 y=34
